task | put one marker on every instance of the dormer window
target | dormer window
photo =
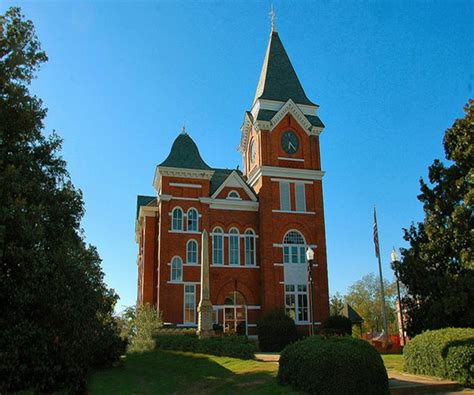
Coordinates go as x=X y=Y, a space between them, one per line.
x=234 y=195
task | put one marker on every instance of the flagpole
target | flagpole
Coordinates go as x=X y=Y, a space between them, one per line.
x=377 y=253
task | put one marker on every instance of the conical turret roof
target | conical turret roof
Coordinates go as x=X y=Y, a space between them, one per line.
x=185 y=154
x=278 y=79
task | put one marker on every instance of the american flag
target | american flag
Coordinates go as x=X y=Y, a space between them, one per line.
x=376 y=236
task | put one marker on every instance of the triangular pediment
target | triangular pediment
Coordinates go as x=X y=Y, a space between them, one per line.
x=234 y=180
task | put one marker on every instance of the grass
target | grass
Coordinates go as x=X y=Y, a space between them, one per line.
x=393 y=362
x=162 y=372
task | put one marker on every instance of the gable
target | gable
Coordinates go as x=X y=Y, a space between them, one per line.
x=234 y=181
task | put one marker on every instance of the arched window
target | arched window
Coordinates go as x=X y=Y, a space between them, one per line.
x=234 y=247
x=192 y=220
x=177 y=219
x=294 y=248
x=191 y=252
x=176 y=269
x=250 y=248
x=217 y=246
x=233 y=195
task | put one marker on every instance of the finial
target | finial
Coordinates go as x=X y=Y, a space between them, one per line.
x=272 y=18
x=183 y=130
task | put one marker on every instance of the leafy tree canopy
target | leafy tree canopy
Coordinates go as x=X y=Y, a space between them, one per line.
x=336 y=304
x=56 y=319
x=438 y=267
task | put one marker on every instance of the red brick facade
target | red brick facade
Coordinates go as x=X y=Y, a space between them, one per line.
x=267 y=270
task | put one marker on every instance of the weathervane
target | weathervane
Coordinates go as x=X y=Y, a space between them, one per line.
x=272 y=18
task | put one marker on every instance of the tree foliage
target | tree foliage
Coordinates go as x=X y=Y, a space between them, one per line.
x=336 y=304
x=438 y=267
x=364 y=297
x=56 y=319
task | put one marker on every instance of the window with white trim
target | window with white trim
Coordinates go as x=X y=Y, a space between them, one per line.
x=294 y=248
x=300 y=198
x=177 y=219
x=285 y=202
x=189 y=304
x=250 y=255
x=234 y=247
x=233 y=195
x=191 y=252
x=217 y=246
x=176 y=269
x=192 y=220
x=296 y=302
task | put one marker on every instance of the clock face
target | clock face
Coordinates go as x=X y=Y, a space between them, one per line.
x=253 y=151
x=289 y=142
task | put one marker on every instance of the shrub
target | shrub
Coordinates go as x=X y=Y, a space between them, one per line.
x=275 y=331
x=146 y=326
x=446 y=353
x=337 y=325
x=342 y=365
x=230 y=346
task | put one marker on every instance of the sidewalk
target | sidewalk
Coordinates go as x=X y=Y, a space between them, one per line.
x=400 y=383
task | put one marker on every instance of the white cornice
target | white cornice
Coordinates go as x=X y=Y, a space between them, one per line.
x=163 y=171
x=292 y=108
x=225 y=204
x=284 y=172
x=276 y=105
x=235 y=181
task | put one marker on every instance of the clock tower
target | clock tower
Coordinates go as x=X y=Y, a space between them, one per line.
x=281 y=156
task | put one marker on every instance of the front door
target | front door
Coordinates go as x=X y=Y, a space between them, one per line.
x=235 y=314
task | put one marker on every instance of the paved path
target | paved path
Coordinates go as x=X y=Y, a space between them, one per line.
x=401 y=383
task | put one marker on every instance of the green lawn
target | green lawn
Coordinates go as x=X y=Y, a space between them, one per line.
x=393 y=362
x=163 y=372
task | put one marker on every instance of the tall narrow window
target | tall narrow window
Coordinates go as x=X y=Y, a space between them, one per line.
x=176 y=269
x=177 y=219
x=217 y=246
x=249 y=248
x=192 y=220
x=294 y=247
x=234 y=247
x=285 y=196
x=296 y=302
x=300 y=197
x=189 y=304
x=191 y=252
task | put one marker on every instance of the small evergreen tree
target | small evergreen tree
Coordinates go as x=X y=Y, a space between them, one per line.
x=336 y=304
x=56 y=312
x=438 y=267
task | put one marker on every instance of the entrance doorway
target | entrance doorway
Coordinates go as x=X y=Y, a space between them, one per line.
x=235 y=314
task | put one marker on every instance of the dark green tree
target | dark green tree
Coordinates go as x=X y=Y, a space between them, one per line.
x=336 y=304
x=56 y=312
x=438 y=267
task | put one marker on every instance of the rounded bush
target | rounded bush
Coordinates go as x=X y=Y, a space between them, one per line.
x=334 y=365
x=275 y=331
x=338 y=325
x=446 y=353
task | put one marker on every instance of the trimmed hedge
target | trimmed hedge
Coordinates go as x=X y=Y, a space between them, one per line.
x=275 y=331
x=446 y=353
x=337 y=325
x=230 y=346
x=334 y=365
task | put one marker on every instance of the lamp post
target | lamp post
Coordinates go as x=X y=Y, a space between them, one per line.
x=310 y=259
x=394 y=258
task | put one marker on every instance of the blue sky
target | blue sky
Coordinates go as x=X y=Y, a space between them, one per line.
x=122 y=77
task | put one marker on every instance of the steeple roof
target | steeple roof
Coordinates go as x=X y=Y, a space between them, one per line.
x=185 y=154
x=278 y=79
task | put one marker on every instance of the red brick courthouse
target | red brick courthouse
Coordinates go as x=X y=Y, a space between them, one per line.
x=260 y=221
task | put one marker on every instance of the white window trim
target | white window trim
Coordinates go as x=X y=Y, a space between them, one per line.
x=232 y=197
x=296 y=293
x=171 y=269
x=254 y=246
x=235 y=235
x=291 y=159
x=197 y=252
x=197 y=220
x=172 y=219
x=184 y=305
x=183 y=185
x=222 y=248
x=293 y=212
x=285 y=195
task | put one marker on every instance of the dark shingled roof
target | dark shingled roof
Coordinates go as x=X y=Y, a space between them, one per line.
x=278 y=79
x=144 y=201
x=185 y=154
x=267 y=115
x=350 y=313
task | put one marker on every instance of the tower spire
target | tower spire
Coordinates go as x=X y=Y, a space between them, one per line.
x=272 y=18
